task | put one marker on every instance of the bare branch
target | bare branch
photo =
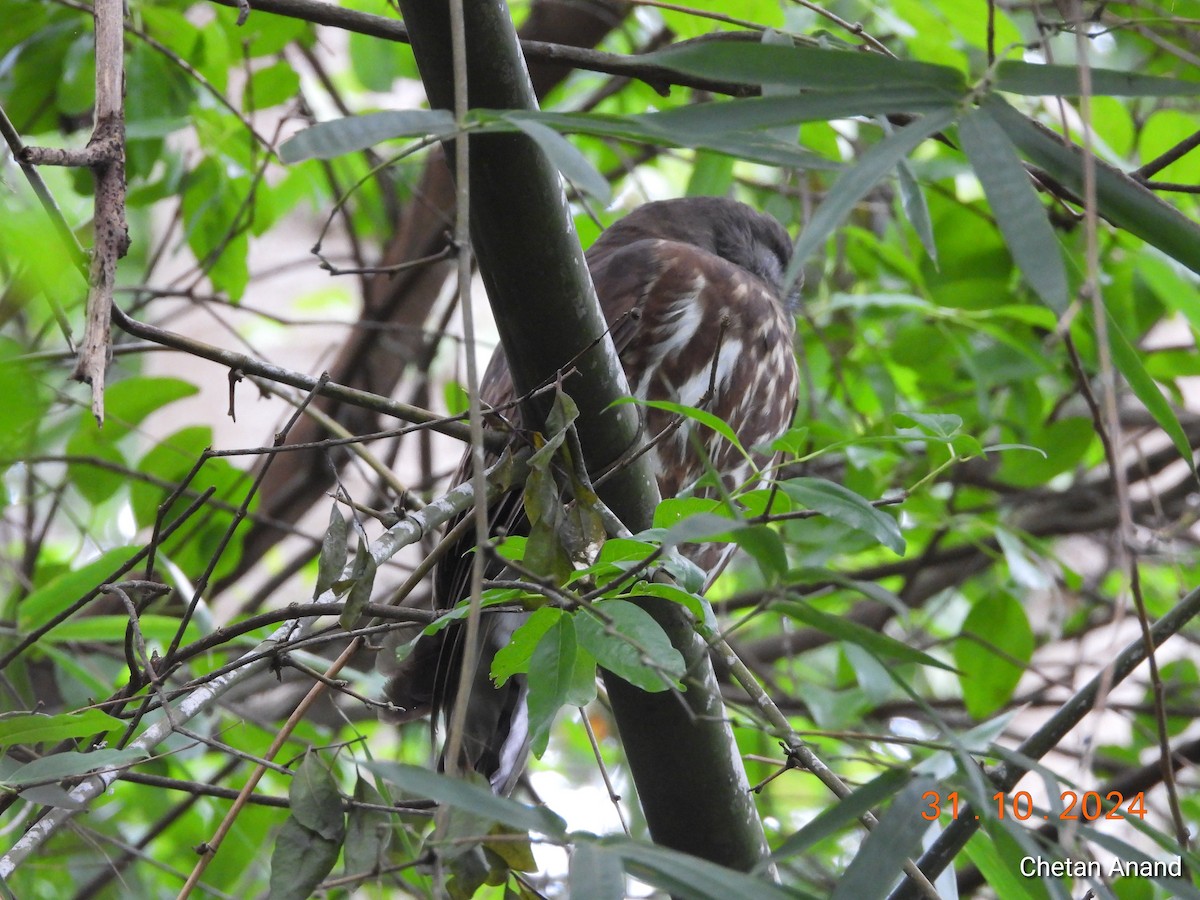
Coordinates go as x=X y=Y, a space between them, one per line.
x=410 y=530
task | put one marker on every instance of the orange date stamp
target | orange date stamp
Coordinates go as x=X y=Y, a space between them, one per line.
x=1087 y=806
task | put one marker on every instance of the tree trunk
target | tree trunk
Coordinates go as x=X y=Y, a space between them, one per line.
x=680 y=748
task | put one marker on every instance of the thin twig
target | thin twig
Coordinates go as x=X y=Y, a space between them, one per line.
x=403 y=495
x=202 y=698
x=801 y=752
x=462 y=238
x=1163 y=160
x=250 y=365
x=1048 y=737
x=613 y=796
x=854 y=28
x=1126 y=546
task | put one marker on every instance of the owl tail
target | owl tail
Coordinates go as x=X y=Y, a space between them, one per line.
x=495 y=738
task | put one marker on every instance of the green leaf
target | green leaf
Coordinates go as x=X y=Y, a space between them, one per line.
x=272 y=85
x=1122 y=201
x=700 y=527
x=673 y=510
x=95 y=482
x=1157 y=133
x=991 y=660
x=766 y=548
x=60 y=592
x=881 y=856
x=127 y=403
x=265 y=35
x=617 y=555
x=978 y=740
x=70 y=763
x=945 y=426
x=692 y=602
x=473 y=798
x=26 y=398
x=1061 y=445
x=626 y=640
x=680 y=874
x=763 y=502
x=563 y=413
x=165 y=91
x=48 y=795
x=583 y=525
x=853 y=185
x=912 y=199
x=1173 y=886
x=728 y=127
x=732 y=126
x=557 y=677
x=22 y=29
x=332 y=560
x=34 y=728
x=300 y=861
x=1021 y=566
x=690 y=22
x=869 y=589
x=1127 y=361
x=514 y=656
x=511 y=547
x=1170 y=285
x=491 y=597
x=513 y=847
x=76 y=88
x=111 y=629
x=468 y=867
x=581 y=686
x=1000 y=875
x=455 y=396
x=375 y=63
x=847 y=507
x=361 y=583
x=843 y=629
x=716 y=423
x=327 y=140
x=215 y=225
x=712 y=175
x=460 y=837
x=315 y=801
x=545 y=552
x=844 y=812
x=1019 y=213
x=803 y=67
x=167 y=461
x=368 y=831
x=1040 y=80
x=1011 y=842
x=596 y=872
x=565 y=157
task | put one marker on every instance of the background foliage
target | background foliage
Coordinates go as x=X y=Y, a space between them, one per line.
x=970 y=358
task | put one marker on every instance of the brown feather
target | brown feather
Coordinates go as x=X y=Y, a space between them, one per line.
x=691 y=291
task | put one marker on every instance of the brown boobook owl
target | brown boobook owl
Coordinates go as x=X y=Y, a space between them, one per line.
x=692 y=290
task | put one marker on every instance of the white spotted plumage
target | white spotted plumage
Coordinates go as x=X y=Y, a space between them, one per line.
x=692 y=291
